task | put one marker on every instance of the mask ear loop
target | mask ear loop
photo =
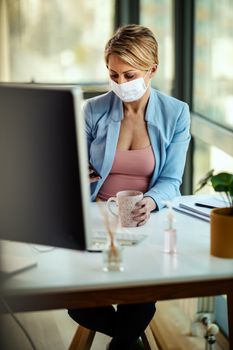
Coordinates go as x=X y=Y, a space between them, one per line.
x=150 y=69
x=147 y=73
x=147 y=85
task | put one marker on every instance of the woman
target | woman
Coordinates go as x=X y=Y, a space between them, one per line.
x=137 y=140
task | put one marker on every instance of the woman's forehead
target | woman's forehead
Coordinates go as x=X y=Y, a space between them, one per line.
x=116 y=64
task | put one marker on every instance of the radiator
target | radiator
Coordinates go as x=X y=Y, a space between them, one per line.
x=194 y=307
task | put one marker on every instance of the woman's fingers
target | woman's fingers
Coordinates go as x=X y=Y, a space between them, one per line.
x=143 y=219
x=141 y=212
x=140 y=209
x=93 y=178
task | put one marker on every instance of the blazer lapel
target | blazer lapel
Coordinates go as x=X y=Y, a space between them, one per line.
x=113 y=130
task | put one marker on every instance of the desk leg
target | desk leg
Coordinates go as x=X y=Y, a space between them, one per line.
x=230 y=316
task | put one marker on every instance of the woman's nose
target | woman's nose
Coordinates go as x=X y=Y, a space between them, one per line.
x=121 y=79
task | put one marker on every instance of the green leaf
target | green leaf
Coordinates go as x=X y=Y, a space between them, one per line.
x=222 y=182
x=231 y=189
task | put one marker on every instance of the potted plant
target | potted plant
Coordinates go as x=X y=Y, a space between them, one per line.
x=221 y=219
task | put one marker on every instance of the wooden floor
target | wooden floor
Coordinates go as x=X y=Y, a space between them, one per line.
x=50 y=330
x=53 y=330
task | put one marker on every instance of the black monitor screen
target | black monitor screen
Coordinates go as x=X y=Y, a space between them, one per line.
x=43 y=167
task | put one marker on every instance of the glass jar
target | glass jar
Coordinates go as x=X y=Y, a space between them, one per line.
x=113 y=257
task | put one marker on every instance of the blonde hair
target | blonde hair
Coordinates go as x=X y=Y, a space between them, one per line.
x=134 y=44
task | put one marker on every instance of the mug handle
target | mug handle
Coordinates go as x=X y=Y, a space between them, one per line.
x=109 y=201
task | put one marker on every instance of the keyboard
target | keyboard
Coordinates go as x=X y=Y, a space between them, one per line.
x=124 y=238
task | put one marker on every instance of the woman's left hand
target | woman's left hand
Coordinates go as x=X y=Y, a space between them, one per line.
x=141 y=212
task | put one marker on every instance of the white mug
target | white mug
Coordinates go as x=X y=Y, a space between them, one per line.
x=125 y=201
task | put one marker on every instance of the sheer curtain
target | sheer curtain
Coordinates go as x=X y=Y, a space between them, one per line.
x=4 y=43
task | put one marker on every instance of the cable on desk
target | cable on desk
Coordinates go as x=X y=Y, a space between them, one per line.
x=7 y=307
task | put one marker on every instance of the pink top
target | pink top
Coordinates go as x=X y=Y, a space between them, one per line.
x=131 y=170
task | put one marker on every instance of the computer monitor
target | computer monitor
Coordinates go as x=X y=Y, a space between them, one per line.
x=44 y=188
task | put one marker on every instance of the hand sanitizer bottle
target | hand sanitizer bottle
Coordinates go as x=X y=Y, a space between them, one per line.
x=170 y=231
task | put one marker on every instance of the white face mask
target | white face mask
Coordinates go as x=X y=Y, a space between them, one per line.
x=131 y=90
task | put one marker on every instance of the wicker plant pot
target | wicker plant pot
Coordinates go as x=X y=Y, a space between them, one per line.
x=221 y=232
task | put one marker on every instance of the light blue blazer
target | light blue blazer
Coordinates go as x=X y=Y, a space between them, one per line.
x=168 y=123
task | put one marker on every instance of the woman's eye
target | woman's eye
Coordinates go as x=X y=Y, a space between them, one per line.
x=113 y=76
x=129 y=76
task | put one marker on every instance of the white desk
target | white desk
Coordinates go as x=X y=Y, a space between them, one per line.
x=65 y=278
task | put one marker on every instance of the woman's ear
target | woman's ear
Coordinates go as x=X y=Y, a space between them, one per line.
x=153 y=70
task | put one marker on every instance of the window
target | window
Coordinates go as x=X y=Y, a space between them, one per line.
x=208 y=157
x=59 y=41
x=213 y=68
x=157 y=15
x=213 y=98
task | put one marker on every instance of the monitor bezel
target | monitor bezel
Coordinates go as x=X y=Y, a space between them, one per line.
x=81 y=142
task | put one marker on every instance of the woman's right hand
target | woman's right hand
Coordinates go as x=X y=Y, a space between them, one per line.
x=93 y=177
